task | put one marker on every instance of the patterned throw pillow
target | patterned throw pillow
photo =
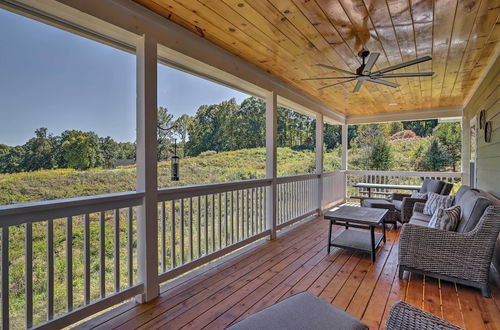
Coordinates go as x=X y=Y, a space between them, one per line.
x=446 y=219
x=436 y=202
x=419 y=195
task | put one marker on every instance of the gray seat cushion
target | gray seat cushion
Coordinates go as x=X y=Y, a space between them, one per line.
x=420 y=219
x=397 y=204
x=301 y=311
x=472 y=206
x=378 y=203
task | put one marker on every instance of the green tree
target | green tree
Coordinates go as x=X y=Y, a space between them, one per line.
x=381 y=157
x=421 y=127
x=449 y=136
x=332 y=136
x=165 y=132
x=126 y=150
x=251 y=123
x=80 y=149
x=181 y=129
x=435 y=158
x=108 y=149
x=12 y=161
x=39 y=151
x=4 y=149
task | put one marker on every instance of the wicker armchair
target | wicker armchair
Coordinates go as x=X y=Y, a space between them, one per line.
x=408 y=317
x=453 y=256
x=407 y=204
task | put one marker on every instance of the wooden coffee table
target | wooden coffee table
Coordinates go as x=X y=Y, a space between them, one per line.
x=361 y=218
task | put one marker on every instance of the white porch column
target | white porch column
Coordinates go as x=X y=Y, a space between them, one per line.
x=465 y=150
x=147 y=226
x=319 y=157
x=345 y=132
x=271 y=161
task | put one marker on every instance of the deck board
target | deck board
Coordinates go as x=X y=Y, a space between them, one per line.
x=297 y=261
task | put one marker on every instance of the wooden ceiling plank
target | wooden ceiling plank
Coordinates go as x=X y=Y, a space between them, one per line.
x=361 y=21
x=301 y=23
x=240 y=48
x=318 y=19
x=423 y=16
x=291 y=54
x=386 y=32
x=462 y=29
x=403 y=25
x=483 y=28
x=283 y=24
x=349 y=43
x=444 y=16
x=237 y=47
x=289 y=37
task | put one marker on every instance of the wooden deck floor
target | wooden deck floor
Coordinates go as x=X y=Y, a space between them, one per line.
x=297 y=261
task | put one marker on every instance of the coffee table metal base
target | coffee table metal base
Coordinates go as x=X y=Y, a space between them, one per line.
x=367 y=241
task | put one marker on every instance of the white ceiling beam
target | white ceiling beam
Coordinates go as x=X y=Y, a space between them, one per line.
x=120 y=19
x=421 y=114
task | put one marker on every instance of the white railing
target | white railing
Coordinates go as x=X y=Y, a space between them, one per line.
x=48 y=239
x=394 y=177
x=79 y=255
x=334 y=188
x=198 y=224
x=298 y=198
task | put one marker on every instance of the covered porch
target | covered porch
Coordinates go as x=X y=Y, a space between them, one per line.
x=265 y=273
x=209 y=255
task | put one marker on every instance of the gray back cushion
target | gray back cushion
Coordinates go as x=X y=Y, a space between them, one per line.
x=461 y=191
x=472 y=207
x=430 y=185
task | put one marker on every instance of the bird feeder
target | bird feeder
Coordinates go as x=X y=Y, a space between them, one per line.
x=175 y=164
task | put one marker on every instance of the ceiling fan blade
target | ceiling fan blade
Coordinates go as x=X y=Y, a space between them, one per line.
x=336 y=69
x=342 y=82
x=397 y=75
x=405 y=64
x=370 y=63
x=383 y=82
x=358 y=86
x=327 y=78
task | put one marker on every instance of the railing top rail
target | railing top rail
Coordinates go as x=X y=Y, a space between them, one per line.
x=331 y=173
x=171 y=193
x=16 y=214
x=405 y=173
x=299 y=177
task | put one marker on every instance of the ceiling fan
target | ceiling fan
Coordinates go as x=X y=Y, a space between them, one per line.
x=364 y=73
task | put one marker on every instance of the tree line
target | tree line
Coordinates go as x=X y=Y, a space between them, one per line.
x=230 y=126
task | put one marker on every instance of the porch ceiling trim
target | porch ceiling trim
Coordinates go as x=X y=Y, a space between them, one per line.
x=445 y=112
x=187 y=50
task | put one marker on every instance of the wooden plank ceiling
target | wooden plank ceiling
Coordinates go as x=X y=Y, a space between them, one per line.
x=289 y=37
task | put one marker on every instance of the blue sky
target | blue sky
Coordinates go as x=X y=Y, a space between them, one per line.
x=58 y=80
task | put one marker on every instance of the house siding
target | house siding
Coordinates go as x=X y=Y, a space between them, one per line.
x=486 y=97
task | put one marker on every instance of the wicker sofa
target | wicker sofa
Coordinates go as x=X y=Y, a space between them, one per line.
x=463 y=256
x=401 y=205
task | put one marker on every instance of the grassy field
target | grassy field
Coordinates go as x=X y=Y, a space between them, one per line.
x=65 y=183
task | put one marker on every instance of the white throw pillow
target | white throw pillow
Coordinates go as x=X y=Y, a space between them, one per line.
x=436 y=202
x=419 y=195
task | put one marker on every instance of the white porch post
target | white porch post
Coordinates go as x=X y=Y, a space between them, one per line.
x=465 y=150
x=147 y=226
x=345 y=130
x=319 y=158
x=271 y=161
